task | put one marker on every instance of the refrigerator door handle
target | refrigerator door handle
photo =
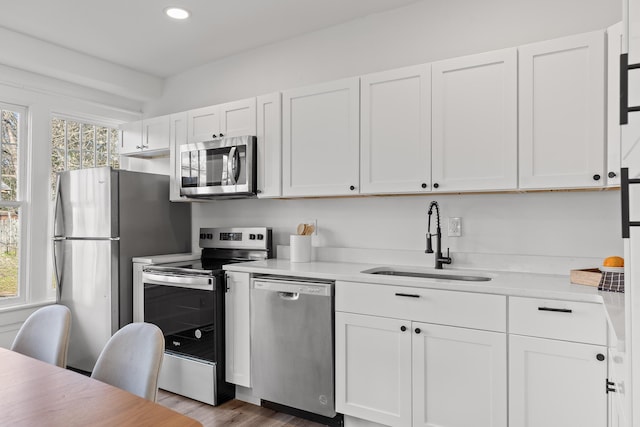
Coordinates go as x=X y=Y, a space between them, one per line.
x=58 y=223
x=55 y=266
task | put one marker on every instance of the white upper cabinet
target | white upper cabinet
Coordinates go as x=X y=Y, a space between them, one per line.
x=231 y=119
x=562 y=114
x=131 y=140
x=320 y=130
x=238 y=118
x=395 y=131
x=146 y=138
x=269 y=120
x=475 y=123
x=203 y=124
x=178 y=137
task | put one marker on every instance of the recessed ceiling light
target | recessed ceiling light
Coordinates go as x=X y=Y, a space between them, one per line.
x=176 y=13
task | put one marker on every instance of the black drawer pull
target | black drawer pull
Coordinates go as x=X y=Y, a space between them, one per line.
x=557 y=310
x=407 y=295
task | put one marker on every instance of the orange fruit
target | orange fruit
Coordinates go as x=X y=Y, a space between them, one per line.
x=613 y=261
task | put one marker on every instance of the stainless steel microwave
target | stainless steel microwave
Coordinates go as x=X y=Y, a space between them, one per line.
x=221 y=168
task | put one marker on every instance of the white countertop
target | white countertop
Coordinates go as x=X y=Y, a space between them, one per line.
x=502 y=283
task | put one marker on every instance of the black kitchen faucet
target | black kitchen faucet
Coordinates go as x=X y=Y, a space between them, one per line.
x=439 y=258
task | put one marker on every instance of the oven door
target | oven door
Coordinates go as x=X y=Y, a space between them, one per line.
x=222 y=167
x=185 y=309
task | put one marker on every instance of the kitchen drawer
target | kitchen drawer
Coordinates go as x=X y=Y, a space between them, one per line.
x=465 y=309
x=562 y=320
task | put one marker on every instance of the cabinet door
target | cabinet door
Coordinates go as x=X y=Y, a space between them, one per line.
x=131 y=141
x=475 y=130
x=203 y=124
x=459 y=377
x=320 y=152
x=614 y=48
x=395 y=129
x=238 y=118
x=556 y=383
x=269 y=145
x=156 y=133
x=373 y=368
x=561 y=114
x=177 y=137
x=236 y=329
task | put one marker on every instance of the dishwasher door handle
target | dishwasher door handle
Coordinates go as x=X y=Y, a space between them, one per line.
x=289 y=296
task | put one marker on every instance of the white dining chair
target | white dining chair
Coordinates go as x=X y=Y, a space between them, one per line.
x=131 y=360
x=45 y=335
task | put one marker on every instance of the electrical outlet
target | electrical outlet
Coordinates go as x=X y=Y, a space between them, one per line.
x=455 y=227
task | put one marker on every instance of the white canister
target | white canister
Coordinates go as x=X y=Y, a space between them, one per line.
x=300 y=250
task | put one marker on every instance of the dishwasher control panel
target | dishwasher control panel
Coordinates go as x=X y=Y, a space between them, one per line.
x=294 y=287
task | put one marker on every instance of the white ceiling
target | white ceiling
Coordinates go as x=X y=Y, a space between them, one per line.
x=136 y=33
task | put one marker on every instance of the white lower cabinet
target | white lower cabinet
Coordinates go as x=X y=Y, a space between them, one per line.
x=237 y=329
x=398 y=372
x=373 y=368
x=401 y=373
x=556 y=383
x=557 y=363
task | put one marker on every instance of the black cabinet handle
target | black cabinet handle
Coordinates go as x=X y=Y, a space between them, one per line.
x=556 y=310
x=418 y=330
x=407 y=295
x=596 y=177
x=214 y=136
x=436 y=185
x=424 y=185
x=600 y=357
x=221 y=135
x=611 y=175
x=351 y=187
x=403 y=328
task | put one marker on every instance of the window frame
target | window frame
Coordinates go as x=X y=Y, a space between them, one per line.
x=22 y=203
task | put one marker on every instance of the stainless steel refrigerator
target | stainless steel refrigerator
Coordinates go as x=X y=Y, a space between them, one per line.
x=103 y=218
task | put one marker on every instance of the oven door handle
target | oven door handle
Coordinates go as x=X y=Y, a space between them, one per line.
x=192 y=282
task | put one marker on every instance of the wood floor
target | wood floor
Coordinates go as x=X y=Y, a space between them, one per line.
x=233 y=413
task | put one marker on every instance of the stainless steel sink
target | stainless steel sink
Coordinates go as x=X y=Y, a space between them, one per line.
x=443 y=276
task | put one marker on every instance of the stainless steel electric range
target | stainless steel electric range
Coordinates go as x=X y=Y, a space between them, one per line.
x=186 y=300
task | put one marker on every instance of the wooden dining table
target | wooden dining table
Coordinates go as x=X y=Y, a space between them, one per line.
x=34 y=393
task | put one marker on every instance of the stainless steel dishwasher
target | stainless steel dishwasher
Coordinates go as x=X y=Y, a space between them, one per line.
x=292 y=342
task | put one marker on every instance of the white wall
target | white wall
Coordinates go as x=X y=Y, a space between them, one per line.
x=575 y=227
x=421 y=32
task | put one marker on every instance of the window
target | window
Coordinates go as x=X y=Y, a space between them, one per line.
x=12 y=184
x=79 y=145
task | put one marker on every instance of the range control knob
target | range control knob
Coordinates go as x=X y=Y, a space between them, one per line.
x=252 y=237
x=260 y=236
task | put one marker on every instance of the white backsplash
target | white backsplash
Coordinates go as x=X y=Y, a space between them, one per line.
x=544 y=232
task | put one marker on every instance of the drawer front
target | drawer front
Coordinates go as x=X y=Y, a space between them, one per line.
x=562 y=320
x=465 y=309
